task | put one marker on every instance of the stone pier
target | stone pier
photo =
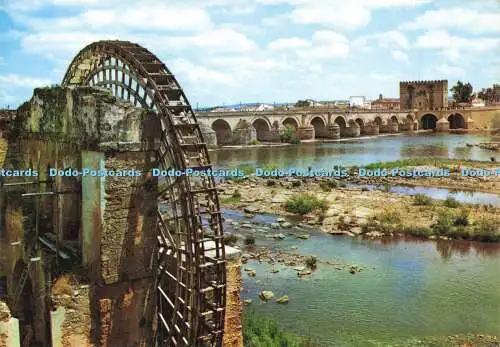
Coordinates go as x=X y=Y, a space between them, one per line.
x=305 y=133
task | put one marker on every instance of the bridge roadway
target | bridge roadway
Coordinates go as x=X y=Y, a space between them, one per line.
x=243 y=127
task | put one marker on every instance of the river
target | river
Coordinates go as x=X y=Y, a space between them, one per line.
x=358 y=151
x=411 y=288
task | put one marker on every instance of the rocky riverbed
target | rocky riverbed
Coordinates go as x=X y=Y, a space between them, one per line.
x=355 y=211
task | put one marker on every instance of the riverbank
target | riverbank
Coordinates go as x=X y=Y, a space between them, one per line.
x=337 y=210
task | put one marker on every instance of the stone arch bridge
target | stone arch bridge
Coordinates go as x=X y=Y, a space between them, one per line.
x=242 y=127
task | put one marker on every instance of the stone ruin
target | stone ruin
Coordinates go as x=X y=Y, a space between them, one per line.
x=84 y=274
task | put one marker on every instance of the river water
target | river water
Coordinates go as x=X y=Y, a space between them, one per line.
x=410 y=289
x=358 y=151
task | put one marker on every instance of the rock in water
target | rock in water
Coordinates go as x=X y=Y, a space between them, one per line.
x=266 y=295
x=283 y=300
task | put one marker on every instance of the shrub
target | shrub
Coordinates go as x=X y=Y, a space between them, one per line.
x=289 y=135
x=451 y=202
x=236 y=194
x=249 y=240
x=230 y=239
x=311 y=262
x=389 y=216
x=462 y=219
x=254 y=142
x=304 y=203
x=264 y=332
x=422 y=200
x=328 y=185
x=443 y=224
x=486 y=230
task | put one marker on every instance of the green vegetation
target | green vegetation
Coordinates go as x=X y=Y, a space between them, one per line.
x=289 y=135
x=462 y=92
x=422 y=200
x=253 y=143
x=264 y=332
x=233 y=199
x=302 y=103
x=312 y=262
x=451 y=202
x=303 y=203
x=249 y=240
x=328 y=185
x=459 y=226
x=389 y=216
x=230 y=239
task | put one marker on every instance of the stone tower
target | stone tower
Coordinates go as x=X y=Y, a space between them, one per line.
x=423 y=94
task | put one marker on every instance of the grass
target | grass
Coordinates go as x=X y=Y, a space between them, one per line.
x=303 y=203
x=451 y=202
x=254 y=142
x=263 y=332
x=422 y=200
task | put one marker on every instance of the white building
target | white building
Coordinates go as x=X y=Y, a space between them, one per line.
x=360 y=102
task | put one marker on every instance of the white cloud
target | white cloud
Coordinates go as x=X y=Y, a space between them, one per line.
x=346 y=16
x=198 y=75
x=288 y=43
x=400 y=56
x=452 y=47
x=448 y=70
x=19 y=81
x=140 y=18
x=456 y=18
x=350 y=14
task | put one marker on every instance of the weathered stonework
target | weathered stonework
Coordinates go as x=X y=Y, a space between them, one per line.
x=103 y=227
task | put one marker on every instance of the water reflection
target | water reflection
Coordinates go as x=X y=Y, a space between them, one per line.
x=358 y=152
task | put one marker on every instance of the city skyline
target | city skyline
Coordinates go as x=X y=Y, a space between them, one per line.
x=227 y=52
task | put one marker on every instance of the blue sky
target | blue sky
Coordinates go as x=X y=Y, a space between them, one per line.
x=231 y=51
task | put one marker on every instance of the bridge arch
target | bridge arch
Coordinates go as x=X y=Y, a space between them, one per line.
x=262 y=128
x=319 y=125
x=290 y=122
x=185 y=227
x=222 y=131
x=457 y=121
x=378 y=121
x=394 y=119
x=428 y=121
x=361 y=125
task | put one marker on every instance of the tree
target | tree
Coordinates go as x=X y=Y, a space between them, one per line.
x=488 y=95
x=303 y=103
x=462 y=92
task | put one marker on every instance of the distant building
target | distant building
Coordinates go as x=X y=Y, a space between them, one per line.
x=385 y=103
x=478 y=102
x=423 y=94
x=359 y=102
x=257 y=107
